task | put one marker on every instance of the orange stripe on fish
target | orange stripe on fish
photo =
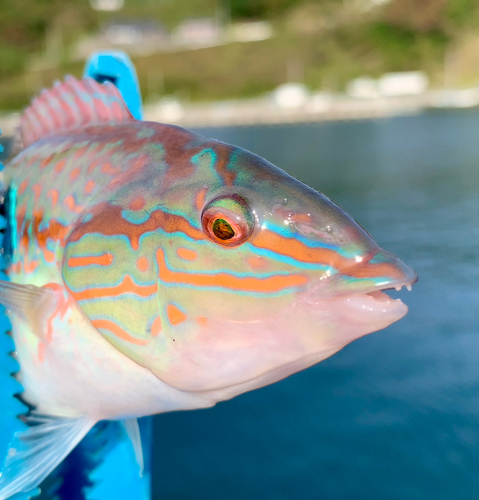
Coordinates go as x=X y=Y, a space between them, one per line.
x=142 y=264
x=108 y=169
x=49 y=256
x=75 y=173
x=175 y=316
x=223 y=157
x=290 y=247
x=63 y=303
x=71 y=204
x=80 y=153
x=90 y=185
x=108 y=221
x=102 y=260
x=137 y=203
x=16 y=268
x=29 y=267
x=37 y=190
x=60 y=166
x=156 y=326
x=126 y=286
x=46 y=161
x=116 y=330
x=186 y=254
x=22 y=187
x=271 y=284
x=53 y=194
x=200 y=198
x=93 y=165
x=55 y=230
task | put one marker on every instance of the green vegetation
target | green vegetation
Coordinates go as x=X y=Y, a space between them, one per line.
x=324 y=43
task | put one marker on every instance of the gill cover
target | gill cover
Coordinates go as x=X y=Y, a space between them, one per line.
x=114 y=279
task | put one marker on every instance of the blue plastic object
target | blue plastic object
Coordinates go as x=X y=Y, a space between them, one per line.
x=117 y=68
x=103 y=465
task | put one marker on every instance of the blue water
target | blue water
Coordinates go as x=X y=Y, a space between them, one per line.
x=394 y=415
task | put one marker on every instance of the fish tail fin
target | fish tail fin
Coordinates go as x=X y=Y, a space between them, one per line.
x=35 y=452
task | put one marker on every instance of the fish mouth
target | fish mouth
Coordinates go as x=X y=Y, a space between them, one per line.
x=362 y=291
x=375 y=299
x=377 y=302
x=347 y=316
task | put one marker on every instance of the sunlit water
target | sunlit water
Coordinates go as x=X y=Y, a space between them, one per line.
x=394 y=415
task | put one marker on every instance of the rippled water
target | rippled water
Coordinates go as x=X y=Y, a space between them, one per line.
x=395 y=415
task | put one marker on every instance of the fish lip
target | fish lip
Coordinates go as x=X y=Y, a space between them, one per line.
x=363 y=278
x=364 y=306
x=367 y=308
x=390 y=285
x=312 y=296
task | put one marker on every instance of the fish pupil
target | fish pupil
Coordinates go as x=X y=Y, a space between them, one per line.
x=222 y=229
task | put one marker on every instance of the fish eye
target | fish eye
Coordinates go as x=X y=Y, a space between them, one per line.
x=222 y=229
x=227 y=220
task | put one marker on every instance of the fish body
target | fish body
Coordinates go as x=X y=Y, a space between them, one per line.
x=154 y=269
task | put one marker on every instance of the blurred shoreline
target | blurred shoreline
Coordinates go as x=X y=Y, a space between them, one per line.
x=317 y=107
x=314 y=108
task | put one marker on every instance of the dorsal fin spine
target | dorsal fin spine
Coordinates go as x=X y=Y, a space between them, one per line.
x=53 y=103
x=98 y=106
x=36 y=127
x=49 y=117
x=71 y=105
x=70 y=114
x=81 y=99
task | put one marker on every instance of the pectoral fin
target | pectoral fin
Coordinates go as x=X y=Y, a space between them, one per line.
x=34 y=304
x=20 y=299
x=35 y=452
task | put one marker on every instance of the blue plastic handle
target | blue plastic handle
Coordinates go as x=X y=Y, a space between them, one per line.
x=117 y=68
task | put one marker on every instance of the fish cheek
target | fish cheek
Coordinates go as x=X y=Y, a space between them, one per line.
x=116 y=289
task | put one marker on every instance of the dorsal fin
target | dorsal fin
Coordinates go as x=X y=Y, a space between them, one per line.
x=70 y=105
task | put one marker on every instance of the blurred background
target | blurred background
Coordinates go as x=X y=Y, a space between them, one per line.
x=373 y=102
x=291 y=59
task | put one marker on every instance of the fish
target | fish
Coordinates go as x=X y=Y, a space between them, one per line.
x=152 y=269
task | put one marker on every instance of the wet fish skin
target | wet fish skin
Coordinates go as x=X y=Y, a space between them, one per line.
x=154 y=269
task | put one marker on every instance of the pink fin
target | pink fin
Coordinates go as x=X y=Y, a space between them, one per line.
x=71 y=105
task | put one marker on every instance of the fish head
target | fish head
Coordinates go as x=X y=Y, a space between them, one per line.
x=238 y=275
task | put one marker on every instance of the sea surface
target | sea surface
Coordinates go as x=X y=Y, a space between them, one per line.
x=394 y=415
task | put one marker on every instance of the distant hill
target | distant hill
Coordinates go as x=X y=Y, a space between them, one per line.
x=323 y=43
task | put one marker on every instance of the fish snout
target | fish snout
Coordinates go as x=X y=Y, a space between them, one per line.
x=378 y=271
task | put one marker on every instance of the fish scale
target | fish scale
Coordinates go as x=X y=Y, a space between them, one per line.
x=154 y=270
